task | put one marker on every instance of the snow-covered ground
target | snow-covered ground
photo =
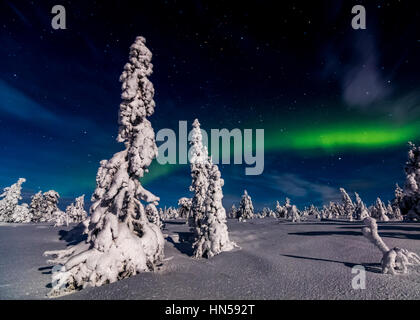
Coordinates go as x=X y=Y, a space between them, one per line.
x=277 y=260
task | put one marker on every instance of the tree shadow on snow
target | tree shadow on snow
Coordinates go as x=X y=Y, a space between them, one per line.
x=184 y=244
x=370 y=267
x=396 y=235
x=174 y=222
x=327 y=233
x=73 y=236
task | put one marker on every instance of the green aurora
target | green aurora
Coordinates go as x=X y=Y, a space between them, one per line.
x=323 y=139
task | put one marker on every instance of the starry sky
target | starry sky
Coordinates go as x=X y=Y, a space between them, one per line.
x=338 y=105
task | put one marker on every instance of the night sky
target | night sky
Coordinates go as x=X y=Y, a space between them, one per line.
x=338 y=105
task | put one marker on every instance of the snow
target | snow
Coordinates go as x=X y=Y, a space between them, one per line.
x=277 y=260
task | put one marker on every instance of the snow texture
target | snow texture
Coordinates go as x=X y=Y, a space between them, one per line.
x=121 y=242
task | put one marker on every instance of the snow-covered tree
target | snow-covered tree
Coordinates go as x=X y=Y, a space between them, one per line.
x=360 y=211
x=410 y=202
x=76 y=211
x=293 y=213
x=200 y=167
x=10 y=210
x=207 y=216
x=60 y=218
x=280 y=212
x=393 y=260
x=379 y=211
x=121 y=241
x=212 y=235
x=184 y=207
x=246 y=208
x=21 y=214
x=233 y=212
x=44 y=207
x=347 y=205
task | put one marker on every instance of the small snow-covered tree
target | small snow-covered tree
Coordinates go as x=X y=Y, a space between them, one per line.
x=60 y=218
x=184 y=207
x=10 y=211
x=379 y=211
x=393 y=260
x=76 y=211
x=347 y=205
x=293 y=213
x=121 y=241
x=360 y=211
x=233 y=212
x=246 y=208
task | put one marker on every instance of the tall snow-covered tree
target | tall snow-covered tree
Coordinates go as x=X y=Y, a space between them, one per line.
x=10 y=211
x=246 y=208
x=394 y=260
x=200 y=167
x=121 y=241
x=410 y=202
x=76 y=211
x=207 y=216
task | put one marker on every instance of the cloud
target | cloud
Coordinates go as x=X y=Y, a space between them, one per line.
x=17 y=104
x=295 y=186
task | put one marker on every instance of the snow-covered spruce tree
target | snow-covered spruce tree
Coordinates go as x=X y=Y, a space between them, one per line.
x=211 y=233
x=207 y=216
x=35 y=207
x=246 y=208
x=121 y=241
x=379 y=211
x=347 y=205
x=394 y=260
x=280 y=212
x=293 y=213
x=184 y=207
x=60 y=218
x=10 y=211
x=360 y=211
x=410 y=202
x=233 y=212
x=200 y=167
x=76 y=211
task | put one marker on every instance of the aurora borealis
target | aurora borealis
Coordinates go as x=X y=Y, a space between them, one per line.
x=338 y=106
